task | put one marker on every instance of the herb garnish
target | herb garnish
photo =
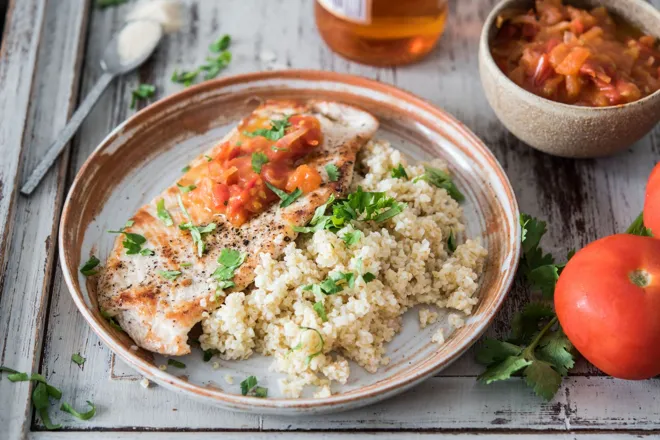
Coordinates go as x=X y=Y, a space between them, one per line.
x=169 y=274
x=143 y=91
x=82 y=416
x=451 y=242
x=319 y=308
x=133 y=242
x=102 y=4
x=638 y=228
x=88 y=268
x=333 y=284
x=111 y=320
x=185 y=169
x=274 y=133
x=186 y=189
x=368 y=277
x=399 y=172
x=184 y=77
x=128 y=224
x=319 y=349
x=175 y=363
x=350 y=238
x=185 y=264
x=208 y=158
x=249 y=386
x=286 y=198
x=77 y=359
x=258 y=160
x=229 y=260
x=208 y=354
x=220 y=44
x=196 y=232
x=333 y=172
x=163 y=214
x=439 y=178
x=360 y=206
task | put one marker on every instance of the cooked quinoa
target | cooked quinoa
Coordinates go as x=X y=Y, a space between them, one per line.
x=409 y=256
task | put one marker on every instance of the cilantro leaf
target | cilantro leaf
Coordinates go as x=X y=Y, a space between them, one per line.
x=187 y=188
x=175 y=363
x=184 y=77
x=185 y=169
x=532 y=232
x=492 y=351
x=88 y=268
x=440 y=179
x=544 y=278
x=274 y=133
x=143 y=91
x=555 y=348
x=526 y=323
x=351 y=238
x=258 y=160
x=504 y=370
x=638 y=228
x=132 y=242
x=230 y=257
x=102 y=4
x=163 y=214
x=250 y=385
x=111 y=320
x=333 y=172
x=451 y=242
x=229 y=260
x=368 y=277
x=220 y=44
x=286 y=198
x=82 y=416
x=169 y=274
x=542 y=379
x=399 y=173
x=208 y=354
x=77 y=359
x=214 y=65
x=319 y=308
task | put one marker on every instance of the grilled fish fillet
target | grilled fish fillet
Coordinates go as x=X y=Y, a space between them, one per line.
x=158 y=313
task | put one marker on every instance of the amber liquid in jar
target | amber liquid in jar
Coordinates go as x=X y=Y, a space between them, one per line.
x=381 y=32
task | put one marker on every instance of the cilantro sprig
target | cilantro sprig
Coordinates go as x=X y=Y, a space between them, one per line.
x=133 y=242
x=399 y=173
x=196 y=232
x=274 y=133
x=333 y=172
x=88 y=268
x=285 y=197
x=163 y=214
x=211 y=68
x=537 y=348
x=440 y=179
x=258 y=161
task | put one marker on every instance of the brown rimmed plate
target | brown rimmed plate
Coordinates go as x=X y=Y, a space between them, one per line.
x=146 y=153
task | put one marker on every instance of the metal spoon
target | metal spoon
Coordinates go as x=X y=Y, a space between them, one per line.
x=112 y=66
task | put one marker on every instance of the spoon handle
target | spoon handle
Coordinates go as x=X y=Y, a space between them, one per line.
x=66 y=134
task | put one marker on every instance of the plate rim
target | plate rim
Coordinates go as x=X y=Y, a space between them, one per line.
x=292 y=406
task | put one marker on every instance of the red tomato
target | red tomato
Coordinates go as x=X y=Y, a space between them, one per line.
x=652 y=202
x=608 y=303
x=220 y=196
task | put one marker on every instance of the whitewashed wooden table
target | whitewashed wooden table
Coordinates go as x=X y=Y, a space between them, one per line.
x=50 y=56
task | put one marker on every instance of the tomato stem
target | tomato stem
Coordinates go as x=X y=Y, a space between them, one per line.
x=640 y=278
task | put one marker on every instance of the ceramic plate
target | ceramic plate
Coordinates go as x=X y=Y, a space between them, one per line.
x=146 y=154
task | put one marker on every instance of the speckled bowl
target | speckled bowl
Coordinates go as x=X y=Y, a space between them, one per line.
x=569 y=130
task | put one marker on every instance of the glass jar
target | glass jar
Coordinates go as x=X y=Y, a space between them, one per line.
x=381 y=32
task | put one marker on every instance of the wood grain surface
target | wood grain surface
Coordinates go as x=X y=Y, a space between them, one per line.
x=52 y=48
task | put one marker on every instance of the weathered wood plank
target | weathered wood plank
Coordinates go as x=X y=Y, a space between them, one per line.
x=316 y=435
x=31 y=249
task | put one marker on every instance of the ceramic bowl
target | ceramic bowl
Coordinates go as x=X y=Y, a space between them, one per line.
x=569 y=130
x=145 y=154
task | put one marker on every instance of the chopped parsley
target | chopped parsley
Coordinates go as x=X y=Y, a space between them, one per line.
x=368 y=277
x=333 y=284
x=175 y=363
x=163 y=214
x=399 y=172
x=185 y=169
x=214 y=65
x=208 y=158
x=319 y=308
x=258 y=160
x=439 y=178
x=184 y=77
x=88 y=268
x=274 y=133
x=128 y=224
x=196 y=232
x=351 y=238
x=208 y=354
x=220 y=44
x=229 y=260
x=249 y=387
x=143 y=91
x=284 y=196
x=451 y=242
x=333 y=172
x=169 y=274
x=102 y=4
x=185 y=264
x=319 y=349
x=82 y=416
x=132 y=242
x=77 y=359
x=111 y=320
x=186 y=189
x=359 y=206
x=147 y=252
